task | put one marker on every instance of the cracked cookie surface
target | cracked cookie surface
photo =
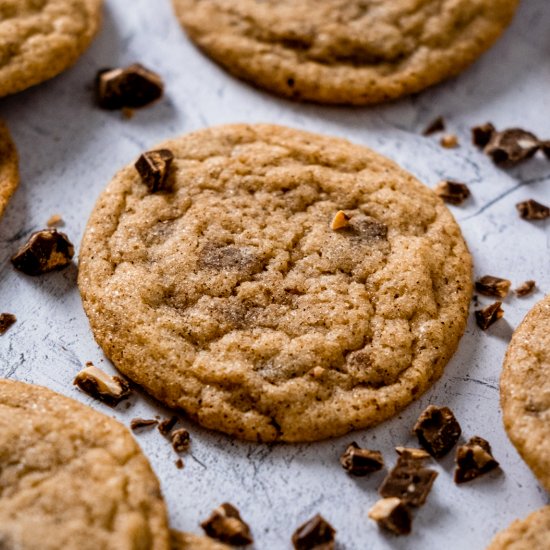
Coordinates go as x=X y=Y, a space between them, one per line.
x=344 y=51
x=525 y=390
x=230 y=295
x=9 y=167
x=41 y=38
x=72 y=478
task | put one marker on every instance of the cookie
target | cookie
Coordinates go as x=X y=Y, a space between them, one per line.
x=527 y=534
x=229 y=294
x=9 y=167
x=72 y=478
x=525 y=390
x=189 y=541
x=344 y=51
x=40 y=39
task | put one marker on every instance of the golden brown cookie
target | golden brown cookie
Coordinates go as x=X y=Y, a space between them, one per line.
x=189 y=541
x=531 y=533
x=344 y=51
x=230 y=294
x=9 y=167
x=72 y=478
x=41 y=38
x=525 y=390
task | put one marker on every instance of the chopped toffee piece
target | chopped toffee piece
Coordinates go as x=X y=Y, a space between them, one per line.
x=165 y=426
x=180 y=439
x=545 y=146
x=412 y=453
x=437 y=430
x=511 y=147
x=45 y=251
x=138 y=423
x=449 y=141
x=6 y=321
x=473 y=460
x=154 y=167
x=524 y=289
x=55 y=221
x=226 y=525
x=452 y=192
x=487 y=316
x=179 y=464
x=533 y=210
x=392 y=515
x=437 y=125
x=481 y=135
x=408 y=481
x=109 y=389
x=340 y=220
x=315 y=534
x=132 y=87
x=360 y=462
x=493 y=286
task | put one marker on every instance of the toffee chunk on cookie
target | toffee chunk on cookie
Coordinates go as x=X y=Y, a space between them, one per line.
x=315 y=534
x=154 y=168
x=437 y=430
x=226 y=525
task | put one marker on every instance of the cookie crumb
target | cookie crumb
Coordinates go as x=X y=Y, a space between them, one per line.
x=437 y=125
x=533 y=210
x=452 y=192
x=489 y=285
x=437 y=430
x=55 y=221
x=226 y=525
x=511 y=147
x=6 y=321
x=165 y=426
x=473 y=459
x=99 y=385
x=449 y=141
x=45 y=251
x=138 y=423
x=180 y=439
x=525 y=288
x=154 y=167
x=180 y=465
x=481 y=135
x=360 y=462
x=487 y=316
x=392 y=515
x=315 y=534
x=340 y=220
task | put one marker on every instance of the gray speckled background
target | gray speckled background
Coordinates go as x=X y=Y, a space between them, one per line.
x=69 y=151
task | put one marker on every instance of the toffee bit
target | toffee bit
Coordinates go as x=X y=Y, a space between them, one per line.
x=533 y=210
x=180 y=439
x=437 y=125
x=226 y=525
x=340 y=220
x=180 y=465
x=412 y=453
x=99 y=385
x=473 y=459
x=138 y=423
x=392 y=515
x=132 y=87
x=524 y=289
x=6 y=321
x=545 y=146
x=493 y=286
x=360 y=462
x=154 y=168
x=489 y=315
x=452 y=192
x=165 y=426
x=449 y=141
x=55 y=221
x=511 y=147
x=315 y=534
x=437 y=430
x=481 y=135
x=45 y=251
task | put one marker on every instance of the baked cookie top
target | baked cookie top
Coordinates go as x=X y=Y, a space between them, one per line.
x=9 y=167
x=344 y=51
x=41 y=38
x=189 y=541
x=525 y=390
x=230 y=296
x=525 y=534
x=72 y=478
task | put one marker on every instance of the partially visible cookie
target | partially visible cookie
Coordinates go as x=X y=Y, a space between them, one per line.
x=344 y=51
x=41 y=38
x=189 y=541
x=525 y=390
x=9 y=167
x=531 y=533
x=72 y=478
x=280 y=285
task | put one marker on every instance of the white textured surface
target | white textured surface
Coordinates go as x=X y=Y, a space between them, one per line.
x=70 y=150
